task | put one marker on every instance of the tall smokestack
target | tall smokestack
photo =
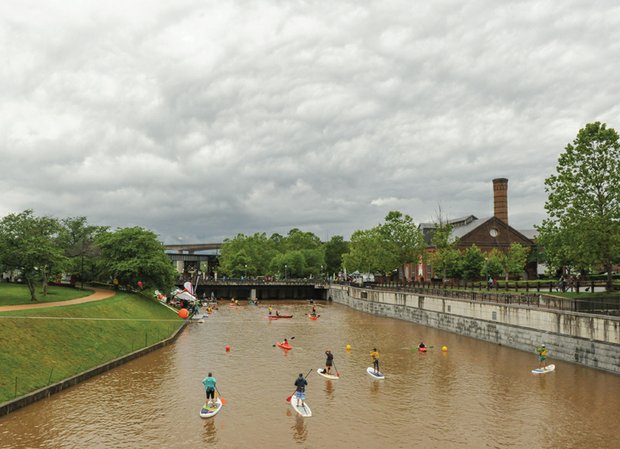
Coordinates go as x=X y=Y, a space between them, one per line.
x=500 y=199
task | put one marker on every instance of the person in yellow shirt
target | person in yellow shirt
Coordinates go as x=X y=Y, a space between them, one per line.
x=542 y=356
x=375 y=360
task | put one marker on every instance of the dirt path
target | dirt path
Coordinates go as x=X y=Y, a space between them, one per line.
x=96 y=296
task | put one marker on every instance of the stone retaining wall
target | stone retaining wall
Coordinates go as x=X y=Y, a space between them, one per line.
x=22 y=401
x=586 y=339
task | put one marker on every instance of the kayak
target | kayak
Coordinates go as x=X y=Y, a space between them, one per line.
x=209 y=412
x=315 y=317
x=303 y=410
x=422 y=349
x=548 y=369
x=277 y=317
x=370 y=370
x=326 y=375
x=283 y=345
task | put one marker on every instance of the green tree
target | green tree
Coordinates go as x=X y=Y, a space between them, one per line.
x=583 y=206
x=493 y=264
x=369 y=253
x=30 y=246
x=403 y=238
x=446 y=258
x=134 y=254
x=513 y=262
x=335 y=248
x=77 y=238
x=473 y=259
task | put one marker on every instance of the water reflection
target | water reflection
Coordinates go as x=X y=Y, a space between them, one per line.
x=329 y=389
x=210 y=431
x=300 y=432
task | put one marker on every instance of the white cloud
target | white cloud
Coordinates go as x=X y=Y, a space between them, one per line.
x=199 y=119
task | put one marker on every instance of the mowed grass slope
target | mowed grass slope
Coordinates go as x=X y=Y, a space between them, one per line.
x=43 y=346
x=11 y=294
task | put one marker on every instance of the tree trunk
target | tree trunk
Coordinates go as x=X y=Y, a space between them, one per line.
x=31 y=289
x=609 y=286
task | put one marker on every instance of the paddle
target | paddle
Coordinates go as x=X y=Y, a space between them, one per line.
x=291 y=338
x=224 y=401
x=337 y=373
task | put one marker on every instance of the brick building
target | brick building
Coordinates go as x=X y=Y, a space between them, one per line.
x=486 y=233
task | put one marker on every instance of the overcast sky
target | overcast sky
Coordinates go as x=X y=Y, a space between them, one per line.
x=202 y=119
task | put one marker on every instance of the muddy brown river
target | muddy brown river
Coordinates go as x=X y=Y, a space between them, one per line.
x=475 y=395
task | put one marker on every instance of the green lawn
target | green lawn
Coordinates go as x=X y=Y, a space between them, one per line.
x=11 y=294
x=43 y=346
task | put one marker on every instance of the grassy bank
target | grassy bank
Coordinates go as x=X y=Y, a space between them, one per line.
x=11 y=294
x=43 y=346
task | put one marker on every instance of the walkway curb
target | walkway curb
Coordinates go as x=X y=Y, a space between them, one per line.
x=37 y=395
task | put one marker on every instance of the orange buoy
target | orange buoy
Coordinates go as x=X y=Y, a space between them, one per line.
x=183 y=313
x=227 y=348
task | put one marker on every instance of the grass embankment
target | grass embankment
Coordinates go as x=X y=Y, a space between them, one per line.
x=42 y=346
x=12 y=294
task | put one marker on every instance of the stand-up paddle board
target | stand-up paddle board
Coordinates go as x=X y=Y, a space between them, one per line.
x=327 y=375
x=303 y=410
x=547 y=369
x=208 y=412
x=377 y=375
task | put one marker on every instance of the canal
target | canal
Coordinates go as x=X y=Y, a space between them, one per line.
x=474 y=395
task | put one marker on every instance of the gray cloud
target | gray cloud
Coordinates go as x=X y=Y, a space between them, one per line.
x=200 y=120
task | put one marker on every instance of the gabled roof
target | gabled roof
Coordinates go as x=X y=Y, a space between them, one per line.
x=460 y=231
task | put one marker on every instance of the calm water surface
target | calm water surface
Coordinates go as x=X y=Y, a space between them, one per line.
x=476 y=395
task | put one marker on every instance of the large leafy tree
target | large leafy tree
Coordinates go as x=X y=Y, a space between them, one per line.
x=335 y=248
x=368 y=253
x=30 y=245
x=472 y=262
x=403 y=238
x=134 y=254
x=446 y=258
x=583 y=224
x=514 y=260
x=77 y=238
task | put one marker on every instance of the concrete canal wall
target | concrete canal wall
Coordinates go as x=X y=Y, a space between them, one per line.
x=586 y=339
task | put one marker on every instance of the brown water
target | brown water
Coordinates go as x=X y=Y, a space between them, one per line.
x=476 y=395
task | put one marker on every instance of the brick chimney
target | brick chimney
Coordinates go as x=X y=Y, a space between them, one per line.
x=500 y=199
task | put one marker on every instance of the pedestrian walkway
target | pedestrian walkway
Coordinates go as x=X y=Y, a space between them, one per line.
x=98 y=294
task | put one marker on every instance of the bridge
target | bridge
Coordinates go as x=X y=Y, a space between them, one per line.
x=187 y=261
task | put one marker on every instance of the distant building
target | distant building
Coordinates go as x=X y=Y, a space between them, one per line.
x=486 y=233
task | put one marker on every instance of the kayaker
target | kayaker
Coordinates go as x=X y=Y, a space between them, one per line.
x=285 y=342
x=300 y=384
x=375 y=360
x=421 y=345
x=209 y=383
x=542 y=356
x=313 y=311
x=328 y=362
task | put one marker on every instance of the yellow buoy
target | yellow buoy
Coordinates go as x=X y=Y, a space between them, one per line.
x=348 y=347
x=444 y=348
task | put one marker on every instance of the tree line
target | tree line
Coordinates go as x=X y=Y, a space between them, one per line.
x=40 y=250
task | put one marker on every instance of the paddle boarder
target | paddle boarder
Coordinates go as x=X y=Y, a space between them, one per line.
x=209 y=383
x=300 y=384
x=313 y=311
x=375 y=360
x=328 y=362
x=421 y=345
x=542 y=356
x=270 y=310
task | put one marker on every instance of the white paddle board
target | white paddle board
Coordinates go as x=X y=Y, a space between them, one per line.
x=303 y=410
x=548 y=369
x=326 y=375
x=208 y=412
x=370 y=370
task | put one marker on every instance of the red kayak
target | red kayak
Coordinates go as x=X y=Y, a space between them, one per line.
x=277 y=317
x=313 y=317
x=422 y=349
x=283 y=345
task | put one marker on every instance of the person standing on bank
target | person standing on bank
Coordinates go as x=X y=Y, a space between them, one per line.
x=300 y=385
x=375 y=360
x=328 y=362
x=209 y=383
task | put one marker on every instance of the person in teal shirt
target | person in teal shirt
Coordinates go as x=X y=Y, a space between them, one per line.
x=209 y=383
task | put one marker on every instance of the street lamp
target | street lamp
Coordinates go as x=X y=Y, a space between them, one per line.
x=285 y=267
x=246 y=270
